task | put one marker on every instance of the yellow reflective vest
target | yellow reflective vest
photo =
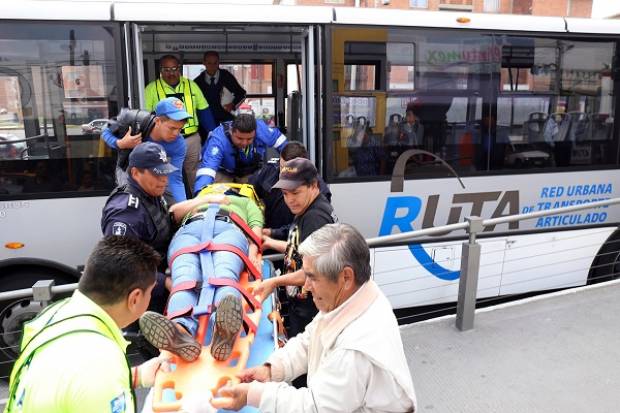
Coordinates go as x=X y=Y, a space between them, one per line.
x=186 y=90
x=72 y=360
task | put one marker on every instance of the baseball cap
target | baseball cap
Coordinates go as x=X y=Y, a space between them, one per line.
x=151 y=156
x=172 y=108
x=296 y=172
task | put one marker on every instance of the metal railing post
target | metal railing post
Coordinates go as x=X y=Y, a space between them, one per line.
x=42 y=291
x=468 y=282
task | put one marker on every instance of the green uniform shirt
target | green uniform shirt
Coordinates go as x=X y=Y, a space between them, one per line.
x=245 y=208
x=198 y=102
x=78 y=372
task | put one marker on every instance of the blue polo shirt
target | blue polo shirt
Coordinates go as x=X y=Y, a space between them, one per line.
x=176 y=152
x=219 y=152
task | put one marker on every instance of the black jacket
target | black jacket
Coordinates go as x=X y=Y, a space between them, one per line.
x=213 y=93
x=277 y=215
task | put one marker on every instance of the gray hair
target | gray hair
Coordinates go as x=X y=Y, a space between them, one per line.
x=335 y=246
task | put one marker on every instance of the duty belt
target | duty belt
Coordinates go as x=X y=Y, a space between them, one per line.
x=200 y=216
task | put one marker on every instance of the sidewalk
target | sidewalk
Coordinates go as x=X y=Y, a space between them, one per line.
x=556 y=353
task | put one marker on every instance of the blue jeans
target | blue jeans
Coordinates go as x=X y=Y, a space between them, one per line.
x=187 y=267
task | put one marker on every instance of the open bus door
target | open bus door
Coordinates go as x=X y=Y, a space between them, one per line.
x=134 y=65
x=310 y=77
x=260 y=56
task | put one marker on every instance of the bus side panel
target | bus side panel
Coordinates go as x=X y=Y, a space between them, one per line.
x=435 y=202
x=408 y=283
x=551 y=260
x=61 y=230
x=508 y=265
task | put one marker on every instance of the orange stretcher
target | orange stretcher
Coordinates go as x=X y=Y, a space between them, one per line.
x=207 y=374
x=257 y=340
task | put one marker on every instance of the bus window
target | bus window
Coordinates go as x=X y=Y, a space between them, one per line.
x=59 y=87
x=362 y=65
x=400 y=66
x=360 y=76
x=420 y=89
x=256 y=79
x=292 y=102
x=555 y=108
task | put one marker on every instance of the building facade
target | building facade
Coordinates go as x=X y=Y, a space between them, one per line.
x=568 y=8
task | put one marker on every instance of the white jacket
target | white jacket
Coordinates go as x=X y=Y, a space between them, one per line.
x=354 y=359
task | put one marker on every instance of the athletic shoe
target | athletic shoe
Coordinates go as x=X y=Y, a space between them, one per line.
x=164 y=334
x=228 y=321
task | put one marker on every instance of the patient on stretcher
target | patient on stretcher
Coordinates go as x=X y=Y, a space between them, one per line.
x=218 y=240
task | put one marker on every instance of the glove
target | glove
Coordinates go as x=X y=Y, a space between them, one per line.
x=146 y=372
x=198 y=403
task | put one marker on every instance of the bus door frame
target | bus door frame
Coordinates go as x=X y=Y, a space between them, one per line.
x=134 y=65
x=308 y=89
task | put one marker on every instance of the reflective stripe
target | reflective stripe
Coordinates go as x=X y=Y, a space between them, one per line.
x=160 y=90
x=191 y=125
x=206 y=171
x=280 y=141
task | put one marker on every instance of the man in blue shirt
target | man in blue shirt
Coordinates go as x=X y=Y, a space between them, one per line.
x=235 y=150
x=170 y=118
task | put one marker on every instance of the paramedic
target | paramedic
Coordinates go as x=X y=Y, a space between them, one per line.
x=235 y=150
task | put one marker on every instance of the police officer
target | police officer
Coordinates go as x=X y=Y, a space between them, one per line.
x=73 y=354
x=172 y=84
x=139 y=210
x=235 y=150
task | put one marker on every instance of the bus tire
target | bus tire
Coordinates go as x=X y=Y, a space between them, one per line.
x=14 y=313
x=606 y=265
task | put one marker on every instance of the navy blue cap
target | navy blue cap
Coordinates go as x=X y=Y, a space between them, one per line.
x=172 y=108
x=151 y=156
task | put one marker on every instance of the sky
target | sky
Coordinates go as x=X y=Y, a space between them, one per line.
x=605 y=8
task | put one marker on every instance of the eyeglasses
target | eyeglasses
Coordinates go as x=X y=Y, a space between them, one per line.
x=170 y=69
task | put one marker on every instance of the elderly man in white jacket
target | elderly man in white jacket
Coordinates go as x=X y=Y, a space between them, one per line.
x=351 y=351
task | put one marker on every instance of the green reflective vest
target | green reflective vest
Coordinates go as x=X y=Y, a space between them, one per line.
x=187 y=91
x=65 y=330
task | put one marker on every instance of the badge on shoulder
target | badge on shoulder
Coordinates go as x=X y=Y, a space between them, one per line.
x=119 y=228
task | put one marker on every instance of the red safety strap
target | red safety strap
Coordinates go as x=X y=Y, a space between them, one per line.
x=210 y=246
x=250 y=327
x=180 y=313
x=231 y=248
x=221 y=282
x=245 y=228
x=184 y=286
x=188 y=250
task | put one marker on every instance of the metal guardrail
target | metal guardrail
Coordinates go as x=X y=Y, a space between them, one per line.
x=470 y=258
x=42 y=290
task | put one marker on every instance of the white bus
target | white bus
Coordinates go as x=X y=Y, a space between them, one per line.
x=521 y=108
